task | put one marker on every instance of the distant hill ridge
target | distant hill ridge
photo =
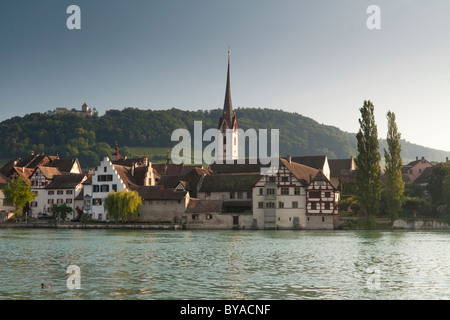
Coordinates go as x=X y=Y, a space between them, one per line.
x=90 y=138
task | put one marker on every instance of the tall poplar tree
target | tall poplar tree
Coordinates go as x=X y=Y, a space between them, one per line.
x=367 y=180
x=394 y=185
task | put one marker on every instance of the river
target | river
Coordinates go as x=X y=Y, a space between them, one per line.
x=284 y=265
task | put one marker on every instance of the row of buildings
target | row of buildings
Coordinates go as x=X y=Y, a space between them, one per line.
x=302 y=195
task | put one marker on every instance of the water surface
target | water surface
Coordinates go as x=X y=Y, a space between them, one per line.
x=287 y=265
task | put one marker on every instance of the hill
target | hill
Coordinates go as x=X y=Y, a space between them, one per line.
x=91 y=138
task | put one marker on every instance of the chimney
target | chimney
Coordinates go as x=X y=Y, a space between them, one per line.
x=132 y=169
x=417 y=158
x=145 y=161
x=289 y=159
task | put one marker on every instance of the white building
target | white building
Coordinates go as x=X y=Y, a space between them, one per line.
x=281 y=202
x=63 y=190
x=112 y=177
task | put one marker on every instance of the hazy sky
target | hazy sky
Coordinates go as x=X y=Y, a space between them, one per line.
x=313 y=57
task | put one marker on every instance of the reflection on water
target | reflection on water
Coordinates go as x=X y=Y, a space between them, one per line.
x=142 y=264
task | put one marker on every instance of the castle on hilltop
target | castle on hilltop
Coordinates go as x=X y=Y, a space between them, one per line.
x=85 y=110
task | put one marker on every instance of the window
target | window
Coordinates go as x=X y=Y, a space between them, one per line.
x=271 y=179
x=69 y=192
x=294 y=204
x=260 y=205
x=320 y=183
x=51 y=193
x=313 y=206
x=97 y=202
x=323 y=219
x=105 y=188
x=104 y=169
x=95 y=188
x=59 y=201
x=327 y=206
x=327 y=194
x=270 y=191
x=280 y=205
x=68 y=201
x=51 y=201
x=33 y=204
x=261 y=191
x=314 y=194
x=60 y=192
x=231 y=195
x=297 y=191
x=114 y=187
x=105 y=177
x=208 y=216
x=270 y=204
x=240 y=195
x=284 y=179
x=100 y=216
x=234 y=140
x=195 y=217
x=285 y=191
x=249 y=194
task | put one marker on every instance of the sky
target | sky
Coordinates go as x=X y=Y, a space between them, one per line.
x=314 y=57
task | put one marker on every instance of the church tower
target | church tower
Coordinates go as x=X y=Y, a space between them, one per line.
x=228 y=122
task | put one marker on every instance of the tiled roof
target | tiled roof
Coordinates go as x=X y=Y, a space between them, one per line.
x=228 y=182
x=337 y=166
x=49 y=172
x=64 y=165
x=302 y=172
x=236 y=167
x=204 y=206
x=316 y=162
x=66 y=181
x=423 y=178
x=158 y=193
x=125 y=175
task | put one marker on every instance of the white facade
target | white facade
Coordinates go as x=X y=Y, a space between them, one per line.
x=104 y=180
x=279 y=204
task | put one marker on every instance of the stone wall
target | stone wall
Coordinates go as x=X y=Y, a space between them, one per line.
x=421 y=225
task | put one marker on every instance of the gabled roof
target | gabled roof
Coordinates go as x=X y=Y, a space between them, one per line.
x=23 y=172
x=173 y=169
x=126 y=176
x=320 y=176
x=204 y=206
x=63 y=165
x=228 y=182
x=158 y=193
x=48 y=172
x=303 y=173
x=423 y=178
x=66 y=181
x=338 y=166
x=248 y=166
x=316 y=162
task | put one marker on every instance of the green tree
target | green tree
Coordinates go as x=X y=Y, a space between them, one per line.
x=18 y=192
x=367 y=180
x=60 y=212
x=394 y=184
x=439 y=187
x=123 y=204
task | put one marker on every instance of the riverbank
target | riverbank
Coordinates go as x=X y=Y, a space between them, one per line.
x=134 y=226
x=341 y=224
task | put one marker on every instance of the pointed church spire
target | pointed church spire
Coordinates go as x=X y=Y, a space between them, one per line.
x=228 y=113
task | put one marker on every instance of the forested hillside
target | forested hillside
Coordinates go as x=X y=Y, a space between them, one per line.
x=91 y=138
